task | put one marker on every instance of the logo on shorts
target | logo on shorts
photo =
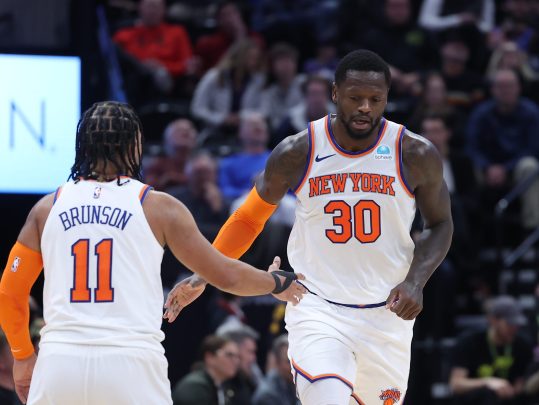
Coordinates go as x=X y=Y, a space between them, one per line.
x=97 y=192
x=390 y=396
x=383 y=152
x=15 y=264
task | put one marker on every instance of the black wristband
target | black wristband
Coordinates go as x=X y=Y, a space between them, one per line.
x=289 y=277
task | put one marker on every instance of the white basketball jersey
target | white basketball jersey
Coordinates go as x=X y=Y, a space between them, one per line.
x=351 y=238
x=102 y=267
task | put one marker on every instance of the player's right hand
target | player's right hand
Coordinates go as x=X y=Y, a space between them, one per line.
x=292 y=294
x=22 y=375
x=183 y=293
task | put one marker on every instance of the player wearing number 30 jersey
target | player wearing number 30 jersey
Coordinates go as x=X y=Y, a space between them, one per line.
x=100 y=238
x=358 y=179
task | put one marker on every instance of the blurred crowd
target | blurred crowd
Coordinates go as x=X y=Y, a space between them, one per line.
x=219 y=84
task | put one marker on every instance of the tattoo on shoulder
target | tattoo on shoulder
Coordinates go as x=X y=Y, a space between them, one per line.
x=289 y=157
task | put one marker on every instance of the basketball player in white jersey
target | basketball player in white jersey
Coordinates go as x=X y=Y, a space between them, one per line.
x=358 y=178
x=100 y=238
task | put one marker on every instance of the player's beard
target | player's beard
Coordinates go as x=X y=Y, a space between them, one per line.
x=352 y=133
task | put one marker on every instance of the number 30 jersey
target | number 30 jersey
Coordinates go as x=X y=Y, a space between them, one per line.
x=351 y=237
x=102 y=267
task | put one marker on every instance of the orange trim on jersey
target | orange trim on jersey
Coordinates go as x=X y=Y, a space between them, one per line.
x=342 y=152
x=308 y=165
x=398 y=162
x=143 y=191
x=57 y=194
x=359 y=401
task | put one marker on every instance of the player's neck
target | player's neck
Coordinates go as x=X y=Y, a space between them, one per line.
x=345 y=141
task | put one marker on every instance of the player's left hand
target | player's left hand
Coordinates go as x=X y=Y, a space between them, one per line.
x=406 y=300
x=22 y=375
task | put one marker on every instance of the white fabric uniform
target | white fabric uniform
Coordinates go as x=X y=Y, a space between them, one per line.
x=102 y=300
x=351 y=239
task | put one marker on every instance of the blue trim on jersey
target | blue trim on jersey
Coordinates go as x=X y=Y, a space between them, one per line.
x=401 y=135
x=366 y=306
x=308 y=162
x=325 y=377
x=56 y=195
x=347 y=152
x=143 y=197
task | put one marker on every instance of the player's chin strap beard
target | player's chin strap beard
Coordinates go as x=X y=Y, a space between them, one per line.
x=289 y=277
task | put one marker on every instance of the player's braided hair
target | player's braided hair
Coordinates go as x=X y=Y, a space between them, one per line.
x=107 y=134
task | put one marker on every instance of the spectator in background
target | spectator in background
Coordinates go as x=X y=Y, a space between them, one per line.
x=232 y=87
x=278 y=385
x=202 y=195
x=489 y=365
x=237 y=172
x=465 y=88
x=315 y=104
x=179 y=142
x=231 y=28
x=324 y=63
x=163 y=51
x=244 y=383
x=438 y=15
x=503 y=135
x=402 y=44
x=220 y=358
x=517 y=24
x=7 y=385
x=508 y=56
x=284 y=90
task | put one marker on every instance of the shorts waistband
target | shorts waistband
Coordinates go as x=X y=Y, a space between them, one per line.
x=357 y=306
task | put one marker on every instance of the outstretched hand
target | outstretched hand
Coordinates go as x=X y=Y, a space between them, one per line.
x=405 y=300
x=22 y=375
x=294 y=293
x=183 y=293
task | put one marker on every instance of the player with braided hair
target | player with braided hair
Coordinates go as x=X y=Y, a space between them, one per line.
x=100 y=238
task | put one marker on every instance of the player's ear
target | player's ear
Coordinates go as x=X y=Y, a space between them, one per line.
x=334 y=92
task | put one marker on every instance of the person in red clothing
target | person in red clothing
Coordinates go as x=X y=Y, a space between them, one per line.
x=160 y=50
x=230 y=28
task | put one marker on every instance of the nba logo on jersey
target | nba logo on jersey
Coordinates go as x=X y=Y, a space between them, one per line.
x=383 y=152
x=97 y=192
x=390 y=396
x=15 y=265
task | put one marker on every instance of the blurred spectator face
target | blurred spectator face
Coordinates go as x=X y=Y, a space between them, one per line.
x=152 y=12
x=434 y=130
x=511 y=56
x=506 y=89
x=504 y=332
x=519 y=9
x=454 y=58
x=285 y=67
x=247 y=355
x=253 y=59
x=283 y=364
x=201 y=171
x=180 y=139
x=398 y=12
x=225 y=362
x=153 y=168
x=229 y=18
x=435 y=91
x=254 y=130
x=316 y=98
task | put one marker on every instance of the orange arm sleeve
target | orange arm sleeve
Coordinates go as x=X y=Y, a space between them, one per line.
x=22 y=269
x=244 y=225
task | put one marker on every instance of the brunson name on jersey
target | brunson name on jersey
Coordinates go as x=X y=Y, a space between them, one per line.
x=95 y=214
x=355 y=182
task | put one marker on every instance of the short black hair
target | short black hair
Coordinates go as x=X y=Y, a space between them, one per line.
x=108 y=132
x=362 y=60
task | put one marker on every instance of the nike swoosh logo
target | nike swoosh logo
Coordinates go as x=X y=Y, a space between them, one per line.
x=319 y=159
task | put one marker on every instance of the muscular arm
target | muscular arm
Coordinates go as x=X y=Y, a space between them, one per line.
x=173 y=225
x=423 y=171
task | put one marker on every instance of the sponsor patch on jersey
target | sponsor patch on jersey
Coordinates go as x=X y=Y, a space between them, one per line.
x=97 y=192
x=383 y=152
x=15 y=264
x=390 y=396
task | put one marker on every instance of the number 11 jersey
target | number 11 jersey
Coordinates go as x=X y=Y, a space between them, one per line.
x=351 y=236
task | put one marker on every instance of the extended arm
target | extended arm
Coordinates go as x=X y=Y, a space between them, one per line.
x=424 y=172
